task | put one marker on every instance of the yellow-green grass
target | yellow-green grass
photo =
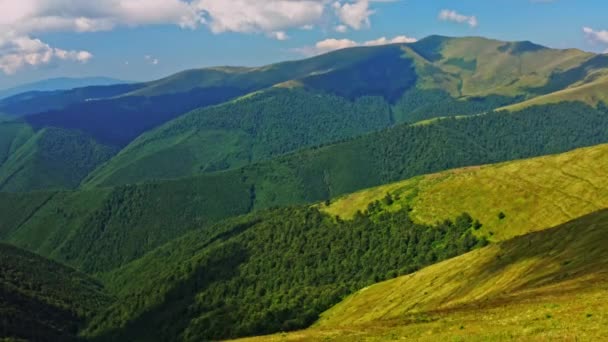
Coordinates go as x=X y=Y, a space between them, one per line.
x=504 y=73
x=544 y=286
x=591 y=93
x=533 y=193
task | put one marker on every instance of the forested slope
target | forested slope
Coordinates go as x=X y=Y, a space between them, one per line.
x=547 y=285
x=44 y=301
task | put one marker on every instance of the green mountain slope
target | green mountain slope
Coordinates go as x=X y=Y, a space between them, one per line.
x=12 y=136
x=136 y=219
x=44 y=301
x=542 y=286
x=247 y=130
x=276 y=270
x=533 y=194
x=435 y=77
x=51 y=158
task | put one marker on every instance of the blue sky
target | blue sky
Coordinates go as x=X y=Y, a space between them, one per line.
x=148 y=39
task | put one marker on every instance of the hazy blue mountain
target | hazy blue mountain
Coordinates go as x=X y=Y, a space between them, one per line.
x=61 y=83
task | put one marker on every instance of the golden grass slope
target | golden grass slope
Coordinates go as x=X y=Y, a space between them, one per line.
x=544 y=286
x=591 y=93
x=534 y=193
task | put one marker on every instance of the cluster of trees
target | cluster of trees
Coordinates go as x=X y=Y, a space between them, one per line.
x=99 y=233
x=44 y=301
x=272 y=271
x=418 y=105
x=261 y=126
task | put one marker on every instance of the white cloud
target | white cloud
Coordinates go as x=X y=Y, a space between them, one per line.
x=332 y=44
x=354 y=15
x=595 y=36
x=29 y=18
x=151 y=60
x=451 y=15
x=17 y=52
x=279 y=35
x=341 y=28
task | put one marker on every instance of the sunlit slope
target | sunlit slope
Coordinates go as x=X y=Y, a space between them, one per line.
x=548 y=285
x=336 y=96
x=533 y=194
x=591 y=93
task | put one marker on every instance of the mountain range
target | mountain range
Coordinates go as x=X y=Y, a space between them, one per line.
x=232 y=202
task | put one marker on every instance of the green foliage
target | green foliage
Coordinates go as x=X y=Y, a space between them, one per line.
x=258 y=127
x=276 y=270
x=52 y=158
x=418 y=105
x=99 y=230
x=387 y=73
x=44 y=301
x=144 y=216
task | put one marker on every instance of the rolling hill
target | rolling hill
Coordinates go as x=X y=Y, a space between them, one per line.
x=275 y=270
x=212 y=116
x=61 y=83
x=125 y=222
x=435 y=77
x=533 y=194
x=44 y=301
x=576 y=173
x=545 y=285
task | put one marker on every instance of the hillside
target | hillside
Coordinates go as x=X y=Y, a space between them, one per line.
x=275 y=270
x=44 y=301
x=123 y=223
x=248 y=130
x=368 y=88
x=52 y=158
x=542 y=286
x=533 y=194
x=435 y=77
x=309 y=176
x=592 y=93
x=62 y=83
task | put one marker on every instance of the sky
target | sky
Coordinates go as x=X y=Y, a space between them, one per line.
x=139 y=40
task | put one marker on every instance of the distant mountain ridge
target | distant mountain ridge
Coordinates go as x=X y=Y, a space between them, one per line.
x=60 y=83
x=224 y=118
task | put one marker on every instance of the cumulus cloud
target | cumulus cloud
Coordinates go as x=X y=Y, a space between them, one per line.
x=17 y=52
x=453 y=16
x=332 y=44
x=354 y=15
x=30 y=18
x=596 y=36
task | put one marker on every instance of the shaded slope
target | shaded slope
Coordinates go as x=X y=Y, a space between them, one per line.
x=435 y=77
x=309 y=176
x=44 y=301
x=51 y=159
x=62 y=83
x=545 y=285
x=260 y=126
x=276 y=270
x=534 y=193
x=42 y=101
x=459 y=76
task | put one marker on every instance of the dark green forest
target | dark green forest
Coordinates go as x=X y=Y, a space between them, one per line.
x=272 y=271
x=44 y=301
x=124 y=223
